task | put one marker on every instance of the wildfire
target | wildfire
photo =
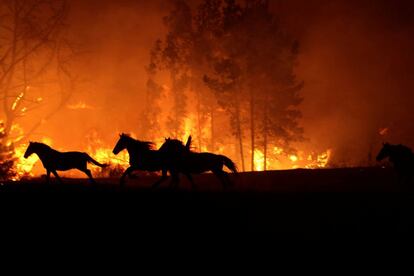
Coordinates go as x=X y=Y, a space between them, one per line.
x=383 y=131
x=277 y=159
x=23 y=166
x=258 y=160
x=80 y=105
x=17 y=100
x=117 y=164
x=293 y=158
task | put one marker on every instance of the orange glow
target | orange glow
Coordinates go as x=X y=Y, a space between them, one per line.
x=276 y=159
x=23 y=166
x=383 y=131
x=80 y=105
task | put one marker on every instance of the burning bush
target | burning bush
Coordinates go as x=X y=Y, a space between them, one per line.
x=7 y=161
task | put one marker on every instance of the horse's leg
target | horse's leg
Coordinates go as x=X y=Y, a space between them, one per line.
x=175 y=179
x=226 y=179
x=126 y=172
x=162 y=179
x=57 y=176
x=223 y=177
x=89 y=174
x=47 y=176
x=190 y=178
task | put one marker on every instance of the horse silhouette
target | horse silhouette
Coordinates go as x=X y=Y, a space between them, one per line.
x=181 y=159
x=142 y=156
x=54 y=160
x=402 y=159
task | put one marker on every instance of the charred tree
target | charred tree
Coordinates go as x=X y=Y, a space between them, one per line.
x=35 y=56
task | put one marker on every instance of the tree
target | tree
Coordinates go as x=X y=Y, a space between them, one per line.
x=35 y=57
x=174 y=58
x=150 y=125
x=237 y=58
x=225 y=86
x=265 y=56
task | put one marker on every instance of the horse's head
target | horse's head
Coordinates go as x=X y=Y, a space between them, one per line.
x=172 y=146
x=29 y=150
x=121 y=144
x=384 y=152
x=33 y=147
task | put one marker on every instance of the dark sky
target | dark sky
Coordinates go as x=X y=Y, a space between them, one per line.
x=356 y=60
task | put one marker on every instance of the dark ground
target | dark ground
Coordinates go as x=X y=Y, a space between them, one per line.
x=359 y=204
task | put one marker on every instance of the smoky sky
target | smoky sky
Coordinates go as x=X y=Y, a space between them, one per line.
x=355 y=59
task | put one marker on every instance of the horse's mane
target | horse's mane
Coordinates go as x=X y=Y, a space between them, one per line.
x=175 y=142
x=38 y=144
x=405 y=148
x=401 y=148
x=144 y=144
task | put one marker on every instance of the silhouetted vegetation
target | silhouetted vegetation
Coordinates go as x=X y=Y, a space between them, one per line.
x=35 y=57
x=237 y=62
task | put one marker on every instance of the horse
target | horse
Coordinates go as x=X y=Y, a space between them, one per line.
x=54 y=160
x=142 y=156
x=402 y=159
x=182 y=160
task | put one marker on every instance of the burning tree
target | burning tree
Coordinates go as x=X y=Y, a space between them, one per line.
x=35 y=57
x=184 y=54
x=236 y=58
x=264 y=55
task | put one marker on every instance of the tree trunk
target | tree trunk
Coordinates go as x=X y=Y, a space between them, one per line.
x=175 y=109
x=212 y=130
x=239 y=133
x=199 y=134
x=252 y=130
x=265 y=130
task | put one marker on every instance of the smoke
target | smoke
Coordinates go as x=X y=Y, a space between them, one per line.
x=114 y=38
x=355 y=58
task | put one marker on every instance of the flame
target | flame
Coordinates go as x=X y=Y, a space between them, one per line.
x=17 y=100
x=117 y=163
x=23 y=167
x=293 y=158
x=258 y=160
x=80 y=105
x=383 y=131
x=277 y=159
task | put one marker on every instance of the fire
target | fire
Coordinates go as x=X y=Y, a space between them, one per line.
x=23 y=166
x=383 y=131
x=117 y=163
x=258 y=160
x=277 y=159
x=17 y=100
x=79 y=105
x=293 y=158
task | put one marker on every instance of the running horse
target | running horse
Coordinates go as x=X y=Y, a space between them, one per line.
x=142 y=156
x=182 y=160
x=402 y=159
x=54 y=160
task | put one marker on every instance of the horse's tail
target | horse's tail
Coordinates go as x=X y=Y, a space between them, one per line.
x=93 y=161
x=188 y=144
x=229 y=163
